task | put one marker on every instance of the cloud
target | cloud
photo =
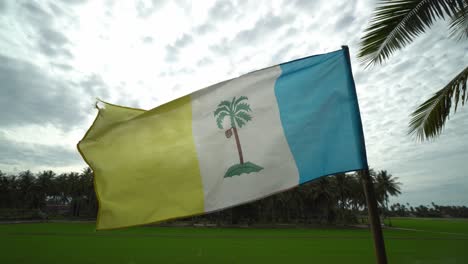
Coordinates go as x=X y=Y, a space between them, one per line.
x=61 y=66
x=53 y=36
x=74 y=2
x=176 y=88
x=57 y=10
x=306 y=5
x=94 y=85
x=204 y=62
x=28 y=155
x=183 y=41
x=186 y=5
x=266 y=27
x=222 y=48
x=344 y=22
x=52 y=43
x=292 y=31
x=172 y=54
x=147 y=8
x=180 y=71
x=280 y=56
x=205 y=28
x=54 y=51
x=172 y=51
x=221 y=10
x=3 y=6
x=147 y=39
x=31 y=96
x=34 y=10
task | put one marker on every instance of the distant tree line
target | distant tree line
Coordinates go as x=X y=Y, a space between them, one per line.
x=334 y=199
x=27 y=195
x=434 y=210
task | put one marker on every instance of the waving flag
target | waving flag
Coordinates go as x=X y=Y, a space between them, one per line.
x=228 y=144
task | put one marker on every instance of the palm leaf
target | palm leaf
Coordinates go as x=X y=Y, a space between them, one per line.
x=459 y=24
x=242 y=118
x=242 y=98
x=396 y=23
x=240 y=122
x=243 y=107
x=225 y=103
x=219 y=120
x=221 y=109
x=429 y=118
x=232 y=105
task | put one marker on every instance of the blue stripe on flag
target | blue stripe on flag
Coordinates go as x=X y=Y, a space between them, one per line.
x=320 y=115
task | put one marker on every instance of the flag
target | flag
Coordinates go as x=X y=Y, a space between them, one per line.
x=228 y=144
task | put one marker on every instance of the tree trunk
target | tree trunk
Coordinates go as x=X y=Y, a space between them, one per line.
x=386 y=208
x=343 y=207
x=239 y=148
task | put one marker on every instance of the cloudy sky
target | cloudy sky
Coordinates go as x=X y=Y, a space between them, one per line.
x=56 y=57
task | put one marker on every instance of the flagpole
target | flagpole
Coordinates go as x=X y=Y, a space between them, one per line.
x=379 y=245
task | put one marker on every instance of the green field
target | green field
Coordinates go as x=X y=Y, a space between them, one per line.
x=433 y=241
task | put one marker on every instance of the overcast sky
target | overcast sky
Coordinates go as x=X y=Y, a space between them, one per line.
x=56 y=57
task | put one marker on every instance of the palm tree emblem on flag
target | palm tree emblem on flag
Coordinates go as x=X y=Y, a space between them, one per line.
x=237 y=111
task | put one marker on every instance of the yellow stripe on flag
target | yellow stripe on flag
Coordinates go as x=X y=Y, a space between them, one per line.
x=145 y=164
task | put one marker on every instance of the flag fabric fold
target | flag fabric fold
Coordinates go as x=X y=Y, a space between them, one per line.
x=228 y=144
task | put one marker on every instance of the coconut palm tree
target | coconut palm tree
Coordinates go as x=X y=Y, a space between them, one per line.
x=386 y=186
x=322 y=193
x=342 y=183
x=87 y=182
x=238 y=113
x=395 y=24
x=237 y=110
x=357 y=195
x=44 y=185
x=7 y=190
x=28 y=193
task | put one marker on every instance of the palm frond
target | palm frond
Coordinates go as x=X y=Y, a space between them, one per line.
x=428 y=120
x=232 y=105
x=240 y=122
x=242 y=107
x=395 y=23
x=242 y=118
x=240 y=99
x=221 y=109
x=220 y=118
x=459 y=24
x=394 y=189
x=226 y=104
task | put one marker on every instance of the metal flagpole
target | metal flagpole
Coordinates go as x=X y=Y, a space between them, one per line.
x=379 y=245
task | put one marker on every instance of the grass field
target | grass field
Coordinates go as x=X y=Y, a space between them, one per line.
x=432 y=241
